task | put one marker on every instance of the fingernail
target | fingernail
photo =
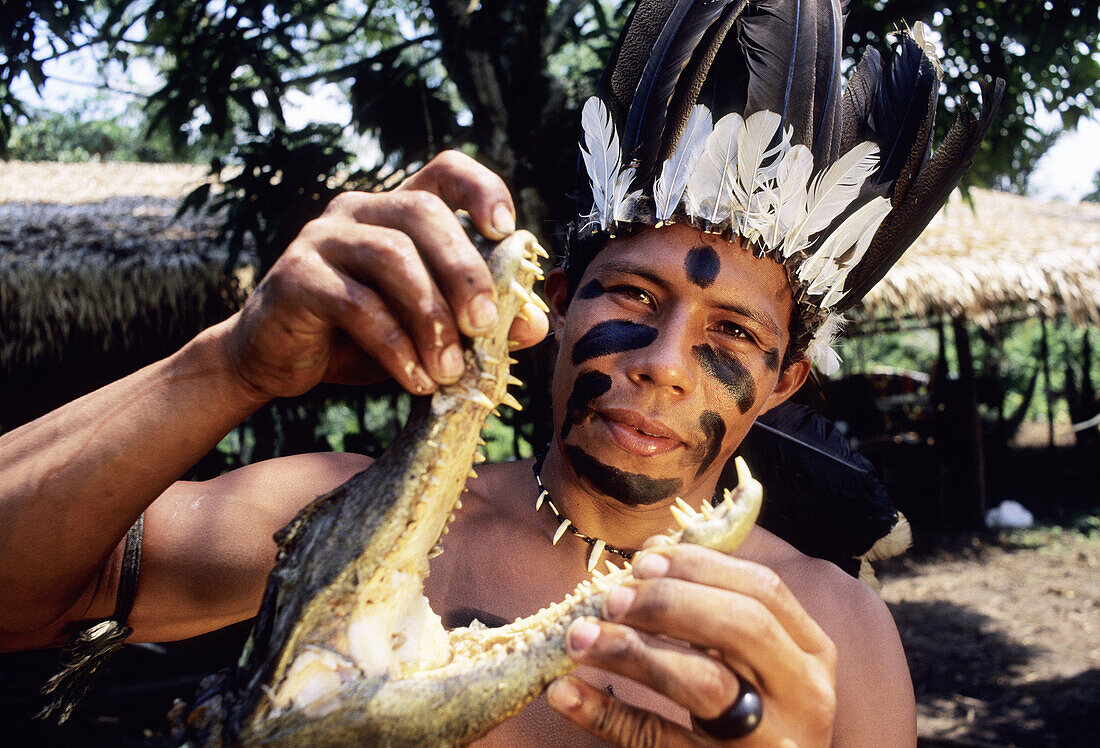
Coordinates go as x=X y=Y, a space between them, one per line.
x=423 y=381
x=581 y=635
x=562 y=694
x=503 y=220
x=617 y=601
x=450 y=361
x=650 y=565
x=483 y=312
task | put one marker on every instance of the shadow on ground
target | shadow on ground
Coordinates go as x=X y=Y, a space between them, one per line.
x=976 y=680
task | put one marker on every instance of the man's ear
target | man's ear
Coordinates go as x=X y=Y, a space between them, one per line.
x=789 y=381
x=556 y=286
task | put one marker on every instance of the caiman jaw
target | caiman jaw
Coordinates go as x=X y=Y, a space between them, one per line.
x=346 y=649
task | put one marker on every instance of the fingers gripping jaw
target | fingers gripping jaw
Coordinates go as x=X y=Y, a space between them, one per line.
x=610 y=719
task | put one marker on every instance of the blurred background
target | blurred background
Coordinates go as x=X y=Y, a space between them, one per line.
x=158 y=157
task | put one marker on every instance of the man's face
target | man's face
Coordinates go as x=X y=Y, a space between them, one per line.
x=669 y=349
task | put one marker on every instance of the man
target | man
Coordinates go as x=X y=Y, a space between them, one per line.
x=672 y=341
x=81 y=475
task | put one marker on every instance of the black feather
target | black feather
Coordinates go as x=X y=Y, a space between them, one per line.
x=819 y=495
x=827 y=120
x=672 y=50
x=904 y=107
x=780 y=41
x=859 y=97
x=925 y=197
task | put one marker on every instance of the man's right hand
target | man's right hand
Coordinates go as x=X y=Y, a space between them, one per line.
x=381 y=284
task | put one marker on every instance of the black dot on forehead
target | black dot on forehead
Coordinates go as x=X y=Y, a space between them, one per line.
x=702 y=265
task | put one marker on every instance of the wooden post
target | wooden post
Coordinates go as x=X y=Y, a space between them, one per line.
x=1044 y=353
x=973 y=455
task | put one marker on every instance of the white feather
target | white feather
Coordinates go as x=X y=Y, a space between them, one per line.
x=831 y=193
x=668 y=188
x=753 y=198
x=792 y=182
x=602 y=159
x=843 y=248
x=820 y=350
x=752 y=150
x=921 y=34
x=622 y=202
x=710 y=186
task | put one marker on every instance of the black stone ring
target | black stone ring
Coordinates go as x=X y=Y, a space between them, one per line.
x=742 y=717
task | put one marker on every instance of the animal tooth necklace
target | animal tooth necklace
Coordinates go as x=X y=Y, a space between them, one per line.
x=598 y=546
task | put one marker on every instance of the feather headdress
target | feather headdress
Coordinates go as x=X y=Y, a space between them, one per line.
x=732 y=118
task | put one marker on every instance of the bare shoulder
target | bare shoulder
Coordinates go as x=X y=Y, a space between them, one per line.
x=209 y=546
x=875 y=703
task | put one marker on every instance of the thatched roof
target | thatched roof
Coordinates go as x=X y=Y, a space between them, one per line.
x=93 y=265
x=96 y=248
x=1008 y=257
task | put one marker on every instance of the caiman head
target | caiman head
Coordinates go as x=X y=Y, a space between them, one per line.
x=346 y=649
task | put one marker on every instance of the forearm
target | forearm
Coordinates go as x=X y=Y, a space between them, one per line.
x=73 y=481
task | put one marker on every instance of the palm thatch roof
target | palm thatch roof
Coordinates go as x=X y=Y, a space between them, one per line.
x=95 y=266
x=1005 y=258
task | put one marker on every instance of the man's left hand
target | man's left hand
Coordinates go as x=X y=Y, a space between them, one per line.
x=739 y=620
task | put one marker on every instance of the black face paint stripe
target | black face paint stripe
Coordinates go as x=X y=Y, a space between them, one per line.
x=587 y=387
x=715 y=430
x=612 y=336
x=591 y=290
x=629 y=488
x=730 y=372
x=702 y=265
x=771 y=359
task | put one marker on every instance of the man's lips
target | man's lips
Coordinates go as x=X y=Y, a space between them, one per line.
x=637 y=434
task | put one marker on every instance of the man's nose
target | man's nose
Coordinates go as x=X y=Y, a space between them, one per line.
x=667 y=361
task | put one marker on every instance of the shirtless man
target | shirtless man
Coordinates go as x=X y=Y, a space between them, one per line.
x=355 y=297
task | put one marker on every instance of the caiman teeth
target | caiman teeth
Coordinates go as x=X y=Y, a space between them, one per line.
x=477 y=396
x=514 y=380
x=685 y=506
x=561 y=531
x=510 y=400
x=478 y=457
x=611 y=567
x=597 y=551
x=539 y=500
x=682 y=517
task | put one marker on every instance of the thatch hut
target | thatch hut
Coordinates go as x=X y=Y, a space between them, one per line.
x=1005 y=257
x=995 y=260
x=98 y=277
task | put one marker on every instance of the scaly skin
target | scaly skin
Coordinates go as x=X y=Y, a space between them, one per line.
x=345 y=649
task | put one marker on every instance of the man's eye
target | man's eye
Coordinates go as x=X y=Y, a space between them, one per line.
x=733 y=330
x=633 y=293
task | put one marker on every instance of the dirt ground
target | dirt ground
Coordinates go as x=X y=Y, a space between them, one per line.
x=1002 y=632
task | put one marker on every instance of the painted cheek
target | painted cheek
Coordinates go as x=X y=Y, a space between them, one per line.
x=587 y=387
x=714 y=428
x=612 y=336
x=728 y=370
x=629 y=488
x=771 y=359
x=702 y=265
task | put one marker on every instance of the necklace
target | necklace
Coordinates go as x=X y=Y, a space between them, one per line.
x=598 y=546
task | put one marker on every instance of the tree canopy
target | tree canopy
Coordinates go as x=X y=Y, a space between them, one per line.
x=499 y=79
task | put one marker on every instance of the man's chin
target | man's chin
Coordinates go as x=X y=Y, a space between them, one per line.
x=631 y=488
